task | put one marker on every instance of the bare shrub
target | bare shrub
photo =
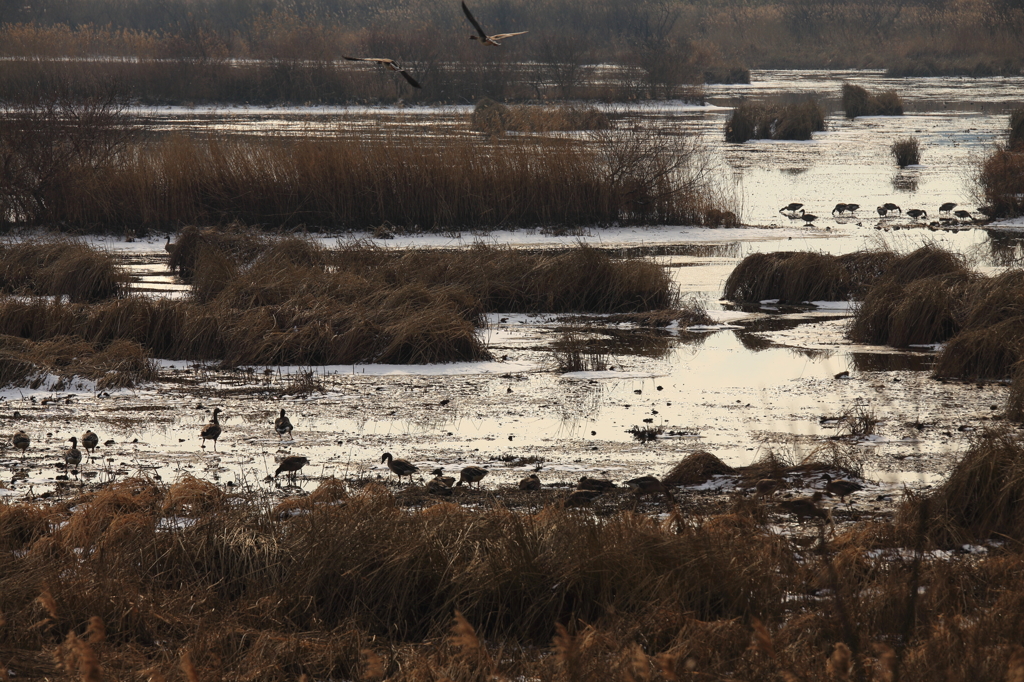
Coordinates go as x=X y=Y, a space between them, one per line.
x=906 y=151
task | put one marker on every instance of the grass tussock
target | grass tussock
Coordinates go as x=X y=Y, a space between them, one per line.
x=981 y=499
x=268 y=301
x=497 y=119
x=797 y=276
x=56 y=362
x=1015 y=140
x=454 y=181
x=446 y=592
x=696 y=468
x=61 y=268
x=1001 y=181
x=576 y=351
x=768 y=121
x=859 y=102
x=906 y=151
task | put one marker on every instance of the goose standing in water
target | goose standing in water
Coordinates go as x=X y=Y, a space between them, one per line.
x=212 y=430
x=291 y=466
x=21 y=441
x=791 y=209
x=840 y=487
x=283 y=426
x=73 y=456
x=482 y=35
x=841 y=209
x=471 y=475
x=947 y=207
x=917 y=213
x=389 y=64
x=89 y=441
x=401 y=467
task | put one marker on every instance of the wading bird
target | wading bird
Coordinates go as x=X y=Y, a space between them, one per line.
x=400 y=466
x=806 y=507
x=947 y=207
x=471 y=475
x=601 y=484
x=840 y=487
x=809 y=218
x=89 y=441
x=766 y=487
x=531 y=482
x=482 y=35
x=21 y=441
x=649 y=485
x=73 y=456
x=882 y=212
x=963 y=215
x=212 y=430
x=283 y=426
x=440 y=485
x=390 y=64
x=892 y=207
x=850 y=208
x=791 y=208
x=291 y=465
x=840 y=209
x=439 y=476
x=917 y=213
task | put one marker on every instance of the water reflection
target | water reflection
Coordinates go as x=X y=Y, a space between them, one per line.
x=892 y=362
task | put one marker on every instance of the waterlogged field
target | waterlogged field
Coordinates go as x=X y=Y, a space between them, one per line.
x=758 y=381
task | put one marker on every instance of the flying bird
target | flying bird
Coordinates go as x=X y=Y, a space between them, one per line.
x=482 y=35
x=387 y=64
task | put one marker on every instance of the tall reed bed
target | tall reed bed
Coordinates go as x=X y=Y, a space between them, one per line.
x=627 y=177
x=257 y=299
x=1001 y=174
x=859 y=102
x=768 y=121
x=356 y=586
x=62 y=268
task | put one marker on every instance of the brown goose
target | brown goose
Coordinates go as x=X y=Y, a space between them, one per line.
x=21 y=441
x=400 y=466
x=806 y=507
x=446 y=480
x=73 y=456
x=766 y=487
x=389 y=64
x=212 y=430
x=283 y=426
x=471 y=475
x=531 y=482
x=602 y=484
x=581 y=498
x=840 y=487
x=482 y=35
x=291 y=465
x=440 y=485
x=649 y=485
x=89 y=441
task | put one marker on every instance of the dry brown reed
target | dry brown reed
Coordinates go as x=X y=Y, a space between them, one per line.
x=859 y=102
x=496 y=118
x=767 y=121
x=1001 y=180
x=1015 y=140
x=111 y=364
x=61 y=267
x=243 y=594
x=906 y=151
x=696 y=468
x=795 y=277
x=455 y=181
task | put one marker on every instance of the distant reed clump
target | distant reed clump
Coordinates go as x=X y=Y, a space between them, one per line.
x=61 y=267
x=55 y=363
x=629 y=176
x=727 y=75
x=799 y=276
x=1001 y=180
x=859 y=102
x=906 y=151
x=1015 y=141
x=768 y=121
x=496 y=118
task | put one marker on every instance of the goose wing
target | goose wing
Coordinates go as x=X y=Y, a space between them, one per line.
x=412 y=81
x=469 y=15
x=502 y=36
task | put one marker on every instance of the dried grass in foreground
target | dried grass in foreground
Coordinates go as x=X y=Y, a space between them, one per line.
x=155 y=582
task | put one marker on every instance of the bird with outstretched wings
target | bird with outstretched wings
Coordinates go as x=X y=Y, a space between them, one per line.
x=482 y=35
x=387 y=64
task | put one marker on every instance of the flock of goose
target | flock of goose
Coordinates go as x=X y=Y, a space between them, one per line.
x=481 y=36
x=795 y=211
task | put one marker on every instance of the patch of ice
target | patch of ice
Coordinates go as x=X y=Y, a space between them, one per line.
x=834 y=305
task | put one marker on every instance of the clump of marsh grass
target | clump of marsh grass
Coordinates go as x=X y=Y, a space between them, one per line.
x=577 y=351
x=696 y=468
x=1015 y=140
x=61 y=267
x=906 y=151
x=767 y=121
x=118 y=363
x=859 y=102
x=1001 y=181
x=496 y=119
x=799 y=276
